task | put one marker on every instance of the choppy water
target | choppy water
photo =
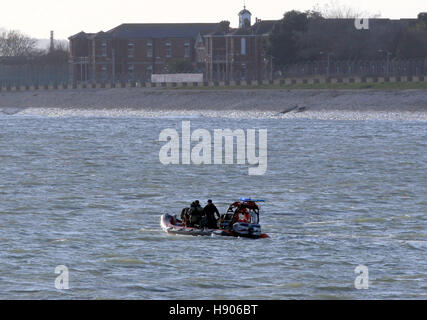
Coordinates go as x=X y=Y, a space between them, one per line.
x=87 y=192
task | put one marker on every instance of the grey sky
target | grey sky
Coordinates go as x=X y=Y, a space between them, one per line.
x=37 y=18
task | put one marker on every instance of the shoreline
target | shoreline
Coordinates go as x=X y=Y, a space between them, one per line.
x=252 y=103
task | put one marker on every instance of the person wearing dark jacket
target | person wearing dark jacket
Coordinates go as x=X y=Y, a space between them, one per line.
x=209 y=211
x=195 y=214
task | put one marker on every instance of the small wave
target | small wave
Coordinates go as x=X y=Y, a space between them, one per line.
x=289 y=285
x=58 y=240
x=126 y=261
x=216 y=285
x=149 y=230
x=329 y=297
x=335 y=288
x=361 y=220
x=152 y=288
x=19 y=251
x=150 y=239
x=417 y=244
x=323 y=222
x=403 y=217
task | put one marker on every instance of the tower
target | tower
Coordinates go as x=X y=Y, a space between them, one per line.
x=52 y=43
x=244 y=18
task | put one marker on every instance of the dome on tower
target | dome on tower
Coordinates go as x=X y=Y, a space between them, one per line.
x=245 y=18
x=245 y=11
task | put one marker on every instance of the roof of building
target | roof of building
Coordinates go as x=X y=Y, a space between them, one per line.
x=245 y=11
x=162 y=30
x=82 y=35
x=241 y=32
x=261 y=27
x=151 y=30
x=192 y=30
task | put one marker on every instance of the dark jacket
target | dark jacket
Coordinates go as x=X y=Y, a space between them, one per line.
x=197 y=208
x=210 y=211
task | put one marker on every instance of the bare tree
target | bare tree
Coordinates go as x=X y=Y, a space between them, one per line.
x=61 y=45
x=335 y=9
x=58 y=54
x=14 y=44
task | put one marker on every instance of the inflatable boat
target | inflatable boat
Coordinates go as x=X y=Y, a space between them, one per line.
x=240 y=220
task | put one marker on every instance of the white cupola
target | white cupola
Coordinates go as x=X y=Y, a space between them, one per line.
x=244 y=18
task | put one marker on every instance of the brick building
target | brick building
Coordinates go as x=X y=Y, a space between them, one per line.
x=135 y=51
x=238 y=54
x=132 y=52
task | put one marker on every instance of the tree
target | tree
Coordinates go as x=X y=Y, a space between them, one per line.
x=283 y=42
x=57 y=55
x=336 y=10
x=15 y=44
x=411 y=43
x=422 y=21
x=308 y=36
x=224 y=26
x=314 y=14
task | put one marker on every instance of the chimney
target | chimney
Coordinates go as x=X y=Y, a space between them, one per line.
x=52 y=45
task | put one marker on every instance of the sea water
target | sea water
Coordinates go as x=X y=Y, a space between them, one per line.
x=87 y=193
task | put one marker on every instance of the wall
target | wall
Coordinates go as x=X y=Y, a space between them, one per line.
x=179 y=77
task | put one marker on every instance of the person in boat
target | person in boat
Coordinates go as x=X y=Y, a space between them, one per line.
x=209 y=211
x=195 y=214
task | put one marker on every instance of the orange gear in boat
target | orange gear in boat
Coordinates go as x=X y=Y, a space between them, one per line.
x=245 y=218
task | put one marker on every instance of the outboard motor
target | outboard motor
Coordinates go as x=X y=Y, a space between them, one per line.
x=247 y=229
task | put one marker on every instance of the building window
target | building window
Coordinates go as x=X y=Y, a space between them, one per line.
x=187 y=49
x=131 y=49
x=243 y=71
x=168 y=51
x=150 y=49
x=104 y=48
x=103 y=73
x=131 y=72
x=149 y=72
x=243 y=46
